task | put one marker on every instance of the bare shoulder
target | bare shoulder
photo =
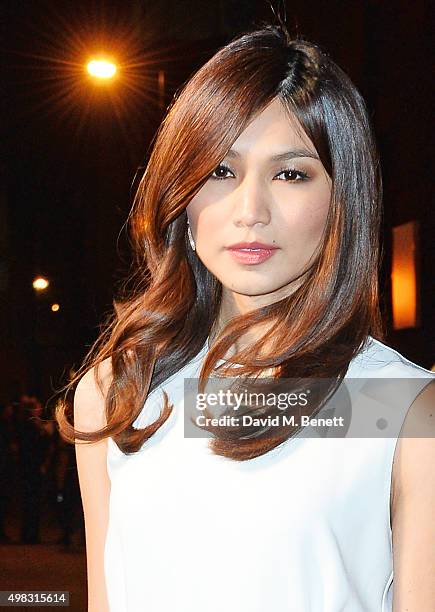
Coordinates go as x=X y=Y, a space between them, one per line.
x=89 y=398
x=95 y=485
x=415 y=453
x=413 y=526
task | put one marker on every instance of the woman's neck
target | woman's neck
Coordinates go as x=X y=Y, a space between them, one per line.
x=227 y=312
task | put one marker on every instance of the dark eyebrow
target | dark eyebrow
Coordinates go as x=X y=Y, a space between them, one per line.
x=282 y=156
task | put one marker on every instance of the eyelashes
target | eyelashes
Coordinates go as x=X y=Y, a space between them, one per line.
x=303 y=176
x=223 y=170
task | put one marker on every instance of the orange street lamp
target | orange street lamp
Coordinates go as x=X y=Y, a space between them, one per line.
x=101 y=69
x=40 y=283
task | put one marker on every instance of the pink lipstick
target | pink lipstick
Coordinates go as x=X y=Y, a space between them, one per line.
x=251 y=252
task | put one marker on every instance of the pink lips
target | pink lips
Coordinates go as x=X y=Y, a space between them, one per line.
x=251 y=252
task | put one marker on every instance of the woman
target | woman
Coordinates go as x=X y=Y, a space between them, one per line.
x=256 y=234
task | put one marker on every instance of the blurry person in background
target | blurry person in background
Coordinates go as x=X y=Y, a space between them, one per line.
x=68 y=502
x=33 y=445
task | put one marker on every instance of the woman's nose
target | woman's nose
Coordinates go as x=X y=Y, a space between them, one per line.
x=251 y=203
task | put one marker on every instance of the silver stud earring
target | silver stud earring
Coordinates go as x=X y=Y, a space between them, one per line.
x=189 y=235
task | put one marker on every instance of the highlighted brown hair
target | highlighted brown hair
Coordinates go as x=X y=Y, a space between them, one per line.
x=158 y=328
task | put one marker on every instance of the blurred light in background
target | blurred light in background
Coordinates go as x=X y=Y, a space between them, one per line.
x=55 y=307
x=404 y=277
x=40 y=283
x=101 y=69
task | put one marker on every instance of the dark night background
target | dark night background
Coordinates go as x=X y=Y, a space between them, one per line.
x=71 y=152
x=72 y=148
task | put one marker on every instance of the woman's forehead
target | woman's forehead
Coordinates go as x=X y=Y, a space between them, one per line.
x=273 y=131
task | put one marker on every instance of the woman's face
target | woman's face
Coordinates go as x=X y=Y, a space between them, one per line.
x=271 y=188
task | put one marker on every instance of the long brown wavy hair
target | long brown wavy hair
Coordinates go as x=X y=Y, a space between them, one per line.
x=160 y=326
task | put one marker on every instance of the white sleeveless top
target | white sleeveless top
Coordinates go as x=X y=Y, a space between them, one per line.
x=304 y=528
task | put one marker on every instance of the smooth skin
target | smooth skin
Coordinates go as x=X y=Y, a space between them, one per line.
x=265 y=199
x=413 y=508
x=89 y=415
x=254 y=195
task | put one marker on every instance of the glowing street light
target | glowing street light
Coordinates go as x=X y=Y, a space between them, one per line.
x=55 y=307
x=40 y=283
x=101 y=69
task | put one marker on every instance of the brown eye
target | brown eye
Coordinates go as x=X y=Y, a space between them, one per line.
x=221 y=172
x=291 y=175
